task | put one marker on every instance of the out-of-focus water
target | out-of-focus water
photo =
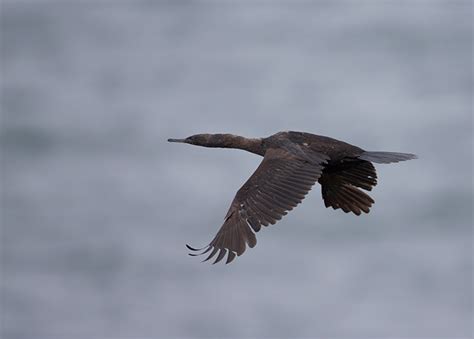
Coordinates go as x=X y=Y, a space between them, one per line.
x=97 y=206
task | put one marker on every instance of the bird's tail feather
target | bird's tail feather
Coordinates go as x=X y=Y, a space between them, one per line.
x=386 y=157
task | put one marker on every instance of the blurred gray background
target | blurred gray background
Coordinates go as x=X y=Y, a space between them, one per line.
x=97 y=206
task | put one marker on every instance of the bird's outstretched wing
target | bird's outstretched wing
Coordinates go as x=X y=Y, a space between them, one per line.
x=280 y=182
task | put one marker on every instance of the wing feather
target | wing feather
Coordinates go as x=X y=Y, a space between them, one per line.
x=281 y=182
x=340 y=185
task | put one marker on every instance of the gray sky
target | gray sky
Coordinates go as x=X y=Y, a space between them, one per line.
x=97 y=206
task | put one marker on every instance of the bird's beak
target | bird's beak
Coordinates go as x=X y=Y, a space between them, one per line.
x=177 y=140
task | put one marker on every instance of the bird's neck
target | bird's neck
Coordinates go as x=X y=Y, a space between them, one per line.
x=253 y=145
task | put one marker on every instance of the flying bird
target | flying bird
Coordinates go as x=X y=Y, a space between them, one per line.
x=292 y=163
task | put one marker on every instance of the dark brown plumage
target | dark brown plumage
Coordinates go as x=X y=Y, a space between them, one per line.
x=292 y=163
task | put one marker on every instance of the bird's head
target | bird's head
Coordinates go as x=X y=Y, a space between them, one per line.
x=206 y=140
x=223 y=141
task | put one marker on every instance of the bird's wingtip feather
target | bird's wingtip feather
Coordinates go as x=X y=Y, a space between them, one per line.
x=194 y=249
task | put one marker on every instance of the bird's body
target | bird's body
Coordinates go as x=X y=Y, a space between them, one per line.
x=292 y=163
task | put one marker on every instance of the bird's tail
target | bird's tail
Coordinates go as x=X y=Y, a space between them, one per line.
x=386 y=157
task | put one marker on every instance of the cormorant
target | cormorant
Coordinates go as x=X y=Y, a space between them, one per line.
x=292 y=163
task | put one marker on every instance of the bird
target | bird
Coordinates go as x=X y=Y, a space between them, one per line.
x=292 y=163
